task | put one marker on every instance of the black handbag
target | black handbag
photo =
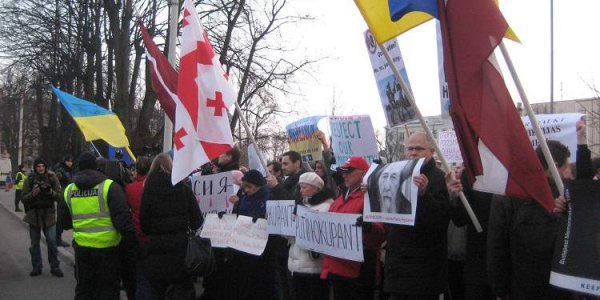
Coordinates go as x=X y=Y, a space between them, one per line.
x=199 y=258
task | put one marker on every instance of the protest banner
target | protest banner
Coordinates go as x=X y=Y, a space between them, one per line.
x=576 y=264
x=392 y=194
x=333 y=234
x=449 y=146
x=218 y=230
x=280 y=217
x=353 y=136
x=302 y=137
x=558 y=127
x=250 y=237
x=213 y=191
x=395 y=104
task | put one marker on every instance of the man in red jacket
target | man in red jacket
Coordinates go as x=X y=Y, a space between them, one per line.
x=351 y=279
x=140 y=287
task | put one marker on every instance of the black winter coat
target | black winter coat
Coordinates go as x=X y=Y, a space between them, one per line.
x=521 y=238
x=416 y=257
x=166 y=213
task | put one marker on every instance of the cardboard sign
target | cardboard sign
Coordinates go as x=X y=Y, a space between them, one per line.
x=334 y=234
x=213 y=191
x=280 y=217
x=248 y=236
x=353 y=136
x=576 y=264
x=395 y=103
x=302 y=136
x=218 y=230
x=392 y=195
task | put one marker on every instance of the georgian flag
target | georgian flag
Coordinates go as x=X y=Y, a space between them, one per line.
x=202 y=129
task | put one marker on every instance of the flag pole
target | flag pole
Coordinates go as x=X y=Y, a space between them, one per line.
x=249 y=133
x=441 y=156
x=538 y=131
x=96 y=149
x=173 y=18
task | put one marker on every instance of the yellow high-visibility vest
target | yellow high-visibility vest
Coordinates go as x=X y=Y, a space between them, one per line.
x=92 y=225
x=19 y=186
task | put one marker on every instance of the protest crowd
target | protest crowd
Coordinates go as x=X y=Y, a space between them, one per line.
x=130 y=230
x=317 y=225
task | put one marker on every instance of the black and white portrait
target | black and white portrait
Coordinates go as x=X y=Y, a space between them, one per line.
x=390 y=188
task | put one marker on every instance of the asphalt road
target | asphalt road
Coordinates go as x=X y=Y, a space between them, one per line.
x=15 y=265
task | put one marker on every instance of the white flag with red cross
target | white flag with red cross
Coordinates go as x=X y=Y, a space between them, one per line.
x=201 y=116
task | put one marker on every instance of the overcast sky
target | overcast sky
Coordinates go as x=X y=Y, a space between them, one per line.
x=337 y=33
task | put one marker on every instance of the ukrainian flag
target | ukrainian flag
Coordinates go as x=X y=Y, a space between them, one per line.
x=389 y=18
x=408 y=13
x=95 y=122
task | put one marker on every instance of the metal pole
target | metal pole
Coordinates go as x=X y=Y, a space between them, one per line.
x=173 y=20
x=20 y=150
x=551 y=56
x=413 y=103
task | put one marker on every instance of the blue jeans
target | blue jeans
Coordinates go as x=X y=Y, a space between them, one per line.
x=36 y=254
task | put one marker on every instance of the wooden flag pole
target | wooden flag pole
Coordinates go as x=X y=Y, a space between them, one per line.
x=249 y=133
x=411 y=99
x=538 y=131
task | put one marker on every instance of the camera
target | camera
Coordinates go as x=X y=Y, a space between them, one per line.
x=45 y=187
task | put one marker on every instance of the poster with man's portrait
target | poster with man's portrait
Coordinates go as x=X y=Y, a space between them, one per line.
x=392 y=194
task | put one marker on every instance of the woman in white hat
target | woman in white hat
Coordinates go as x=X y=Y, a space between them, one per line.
x=305 y=265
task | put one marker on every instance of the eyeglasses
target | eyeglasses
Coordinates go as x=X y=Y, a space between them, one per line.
x=414 y=148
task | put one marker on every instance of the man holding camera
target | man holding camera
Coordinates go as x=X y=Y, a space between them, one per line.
x=40 y=191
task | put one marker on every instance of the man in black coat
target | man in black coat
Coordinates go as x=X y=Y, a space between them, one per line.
x=416 y=258
x=291 y=163
x=522 y=235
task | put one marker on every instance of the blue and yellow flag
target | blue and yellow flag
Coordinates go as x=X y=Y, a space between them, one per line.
x=123 y=154
x=408 y=13
x=95 y=122
x=389 y=18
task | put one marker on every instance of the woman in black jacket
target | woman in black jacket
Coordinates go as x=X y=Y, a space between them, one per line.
x=166 y=213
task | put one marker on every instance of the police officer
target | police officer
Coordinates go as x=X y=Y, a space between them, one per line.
x=97 y=212
x=19 y=182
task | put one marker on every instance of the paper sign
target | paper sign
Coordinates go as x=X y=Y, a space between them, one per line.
x=392 y=195
x=249 y=237
x=218 y=230
x=302 y=137
x=353 y=136
x=449 y=146
x=334 y=234
x=395 y=103
x=213 y=191
x=280 y=217
x=558 y=127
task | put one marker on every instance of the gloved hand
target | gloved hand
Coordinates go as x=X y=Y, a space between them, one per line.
x=366 y=226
